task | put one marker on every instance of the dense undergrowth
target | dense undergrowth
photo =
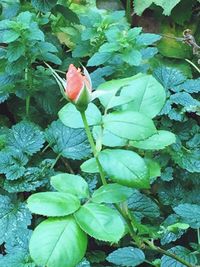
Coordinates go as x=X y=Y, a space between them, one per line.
x=128 y=195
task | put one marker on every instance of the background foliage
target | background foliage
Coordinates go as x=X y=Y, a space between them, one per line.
x=115 y=40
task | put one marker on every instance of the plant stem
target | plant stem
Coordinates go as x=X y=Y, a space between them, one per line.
x=92 y=144
x=54 y=163
x=193 y=65
x=27 y=105
x=67 y=165
x=198 y=235
x=128 y=10
x=167 y=253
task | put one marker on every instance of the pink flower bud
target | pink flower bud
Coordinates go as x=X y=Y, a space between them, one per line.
x=78 y=87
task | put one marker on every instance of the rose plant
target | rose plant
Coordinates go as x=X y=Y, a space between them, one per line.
x=118 y=133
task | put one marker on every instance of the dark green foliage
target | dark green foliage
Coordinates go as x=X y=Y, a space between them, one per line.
x=35 y=145
x=68 y=142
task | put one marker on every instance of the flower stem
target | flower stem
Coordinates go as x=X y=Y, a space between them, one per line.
x=92 y=144
x=167 y=253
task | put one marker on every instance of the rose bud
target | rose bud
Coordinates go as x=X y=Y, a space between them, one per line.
x=78 y=87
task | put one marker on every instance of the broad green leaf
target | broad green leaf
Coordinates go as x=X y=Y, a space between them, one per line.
x=155 y=142
x=70 y=183
x=148 y=96
x=32 y=178
x=140 y=6
x=111 y=193
x=143 y=206
x=113 y=87
x=10 y=36
x=43 y=5
x=129 y=124
x=167 y=5
x=90 y=166
x=169 y=77
x=99 y=58
x=15 y=50
x=53 y=203
x=169 y=47
x=154 y=168
x=69 y=142
x=25 y=137
x=132 y=57
x=17 y=259
x=71 y=117
x=181 y=252
x=61 y=243
x=104 y=137
x=13 y=215
x=190 y=213
x=186 y=159
x=128 y=256
x=12 y=164
x=125 y=167
x=147 y=38
x=112 y=140
x=100 y=222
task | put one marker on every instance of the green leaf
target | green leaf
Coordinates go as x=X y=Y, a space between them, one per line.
x=83 y=263
x=169 y=77
x=139 y=6
x=32 y=178
x=67 y=13
x=129 y=124
x=186 y=159
x=132 y=57
x=15 y=51
x=113 y=86
x=154 y=168
x=190 y=213
x=191 y=86
x=71 y=117
x=10 y=36
x=170 y=47
x=100 y=222
x=98 y=59
x=17 y=259
x=127 y=256
x=111 y=193
x=70 y=183
x=47 y=56
x=183 y=253
x=43 y=5
x=53 y=203
x=145 y=39
x=13 y=215
x=61 y=241
x=147 y=95
x=25 y=137
x=143 y=206
x=90 y=166
x=12 y=164
x=68 y=142
x=35 y=33
x=125 y=167
x=155 y=142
